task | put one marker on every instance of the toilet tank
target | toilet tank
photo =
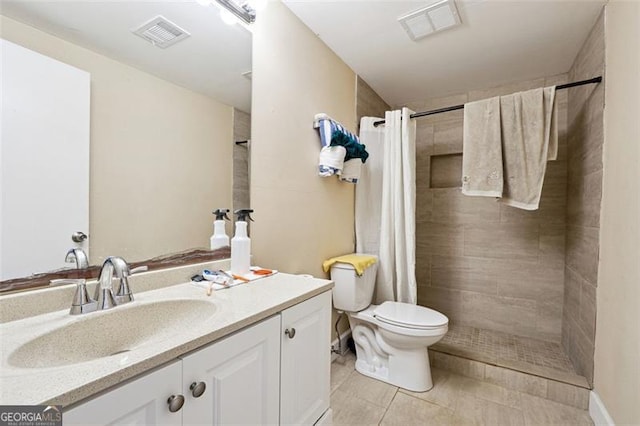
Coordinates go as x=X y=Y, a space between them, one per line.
x=352 y=293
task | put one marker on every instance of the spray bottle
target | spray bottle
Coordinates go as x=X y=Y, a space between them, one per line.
x=241 y=244
x=219 y=237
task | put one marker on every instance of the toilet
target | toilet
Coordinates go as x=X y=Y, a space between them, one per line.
x=392 y=338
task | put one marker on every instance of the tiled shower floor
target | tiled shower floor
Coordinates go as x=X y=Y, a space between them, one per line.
x=524 y=354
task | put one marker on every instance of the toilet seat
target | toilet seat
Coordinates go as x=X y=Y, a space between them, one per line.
x=406 y=315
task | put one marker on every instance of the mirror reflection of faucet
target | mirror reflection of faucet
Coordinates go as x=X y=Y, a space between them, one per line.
x=78 y=256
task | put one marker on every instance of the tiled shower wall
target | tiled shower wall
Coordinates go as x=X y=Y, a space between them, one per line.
x=478 y=261
x=368 y=102
x=241 y=132
x=584 y=185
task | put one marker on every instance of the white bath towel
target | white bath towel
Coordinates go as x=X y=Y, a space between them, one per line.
x=529 y=139
x=331 y=160
x=351 y=171
x=482 y=151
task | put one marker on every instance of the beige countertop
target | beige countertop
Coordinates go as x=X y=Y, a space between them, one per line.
x=235 y=308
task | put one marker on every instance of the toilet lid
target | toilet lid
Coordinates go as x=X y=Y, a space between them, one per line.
x=405 y=314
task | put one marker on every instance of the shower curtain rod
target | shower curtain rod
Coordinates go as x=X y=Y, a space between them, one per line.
x=457 y=107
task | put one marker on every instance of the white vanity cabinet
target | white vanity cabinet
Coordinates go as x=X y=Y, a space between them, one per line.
x=274 y=372
x=238 y=377
x=305 y=361
x=142 y=401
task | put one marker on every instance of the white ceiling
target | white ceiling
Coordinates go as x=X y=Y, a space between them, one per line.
x=211 y=61
x=498 y=42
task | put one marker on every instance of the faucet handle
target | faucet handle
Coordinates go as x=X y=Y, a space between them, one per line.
x=124 y=294
x=64 y=281
x=82 y=303
x=138 y=269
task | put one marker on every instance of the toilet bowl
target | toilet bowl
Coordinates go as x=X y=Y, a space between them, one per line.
x=392 y=338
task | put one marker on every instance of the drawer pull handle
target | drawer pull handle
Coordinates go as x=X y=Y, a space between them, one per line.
x=291 y=333
x=197 y=389
x=175 y=403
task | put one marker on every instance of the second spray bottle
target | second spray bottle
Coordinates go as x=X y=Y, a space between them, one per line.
x=241 y=244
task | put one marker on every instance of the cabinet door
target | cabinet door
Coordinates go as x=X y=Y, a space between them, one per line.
x=140 y=402
x=306 y=360
x=241 y=377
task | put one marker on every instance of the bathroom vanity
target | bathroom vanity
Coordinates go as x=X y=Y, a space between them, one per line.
x=258 y=353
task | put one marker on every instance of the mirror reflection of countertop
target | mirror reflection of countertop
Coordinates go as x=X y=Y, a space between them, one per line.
x=121 y=343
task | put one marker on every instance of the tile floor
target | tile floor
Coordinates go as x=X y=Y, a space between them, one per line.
x=454 y=400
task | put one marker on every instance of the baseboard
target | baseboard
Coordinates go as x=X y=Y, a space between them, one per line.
x=598 y=411
x=343 y=348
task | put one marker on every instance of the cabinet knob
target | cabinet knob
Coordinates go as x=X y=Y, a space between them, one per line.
x=290 y=332
x=197 y=389
x=175 y=403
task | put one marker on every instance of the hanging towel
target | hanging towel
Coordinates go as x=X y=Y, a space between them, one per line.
x=351 y=143
x=351 y=171
x=360 y=262
x=529 y=139
x=482 y=158
x=327 y=126
x=331 y=160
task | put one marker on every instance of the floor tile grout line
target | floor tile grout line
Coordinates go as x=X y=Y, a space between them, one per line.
x=388 y=406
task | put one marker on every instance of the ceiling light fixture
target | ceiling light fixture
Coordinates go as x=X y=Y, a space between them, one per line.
x=240 y=9
x=428 y=20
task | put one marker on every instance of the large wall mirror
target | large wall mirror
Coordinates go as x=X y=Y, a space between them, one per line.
x=161 y=127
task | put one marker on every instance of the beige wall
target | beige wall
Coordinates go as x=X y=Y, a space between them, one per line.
x=617 y=349
x=584 y=192
x=480 y=262
x=301 y=219
x=153 y=150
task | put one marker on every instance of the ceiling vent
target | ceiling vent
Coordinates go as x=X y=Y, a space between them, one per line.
x=161 y=32
x=428 y=20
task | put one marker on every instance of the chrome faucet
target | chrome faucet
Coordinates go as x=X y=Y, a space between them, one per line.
x=116 y=267
x=78 y=256
x=103 y=297
x=104 y=290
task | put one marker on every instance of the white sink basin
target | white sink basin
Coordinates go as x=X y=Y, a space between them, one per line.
x=118 y=330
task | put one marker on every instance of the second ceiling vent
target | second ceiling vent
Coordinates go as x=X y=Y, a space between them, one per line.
x=161 y=32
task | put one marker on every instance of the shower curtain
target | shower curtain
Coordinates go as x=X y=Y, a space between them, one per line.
x=385 y=204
